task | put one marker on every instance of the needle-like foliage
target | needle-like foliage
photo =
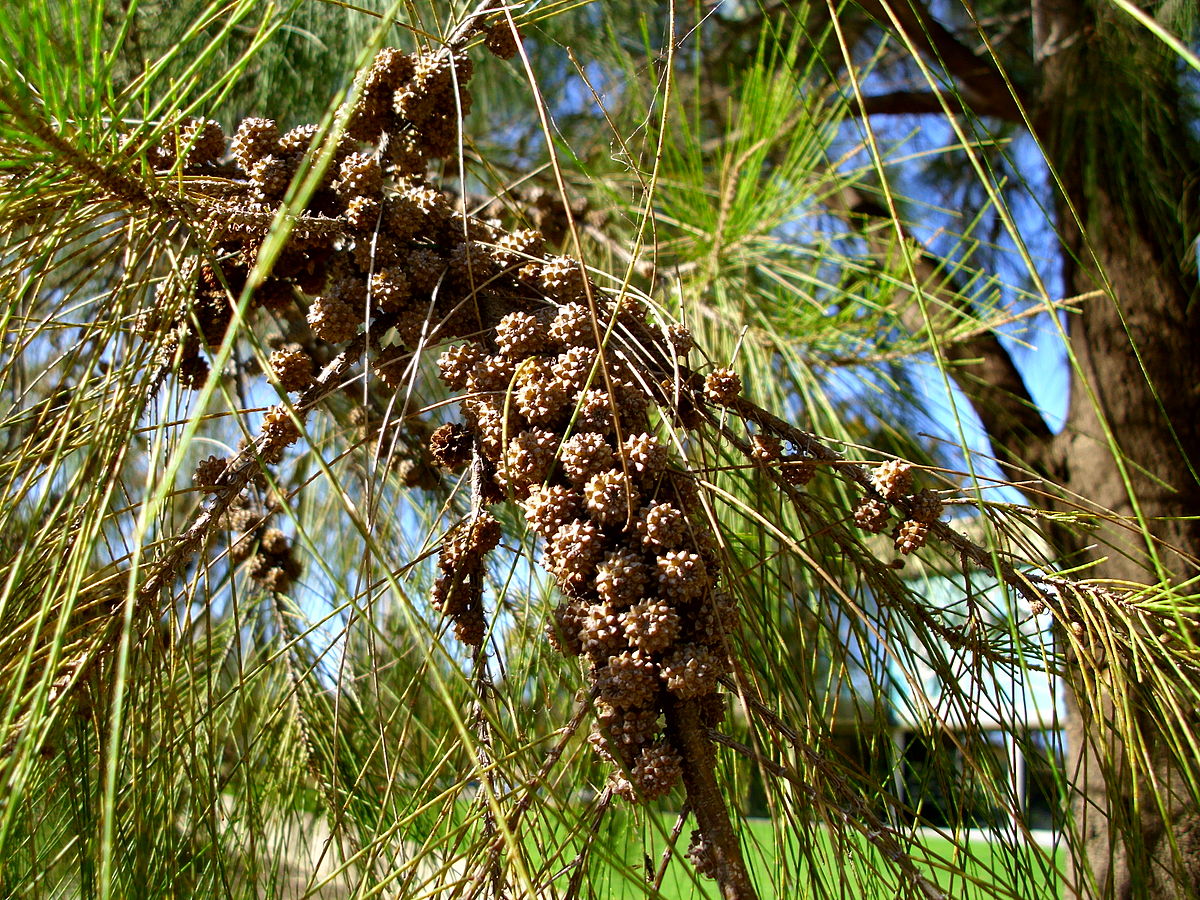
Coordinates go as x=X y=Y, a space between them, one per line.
x=553 y=472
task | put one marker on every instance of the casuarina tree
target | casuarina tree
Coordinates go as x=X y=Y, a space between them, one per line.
x=481 y=452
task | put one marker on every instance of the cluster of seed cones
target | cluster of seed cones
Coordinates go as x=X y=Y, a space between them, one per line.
x=561 y=425
x=557 y=382
x=893 y=482
x=377 y=252
x=272 y=561
x=376 y=245
x=552 y=418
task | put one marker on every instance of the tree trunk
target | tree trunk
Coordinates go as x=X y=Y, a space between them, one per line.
x=1117 y=131
x=1112 y=121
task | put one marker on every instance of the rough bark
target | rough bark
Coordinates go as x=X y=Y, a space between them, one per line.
x=1102 y=95
x=1112 y=120
x=1110 y=117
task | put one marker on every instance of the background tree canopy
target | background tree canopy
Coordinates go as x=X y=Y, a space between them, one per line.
x=598 y=450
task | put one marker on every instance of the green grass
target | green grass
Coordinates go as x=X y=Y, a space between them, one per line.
x=786 y=865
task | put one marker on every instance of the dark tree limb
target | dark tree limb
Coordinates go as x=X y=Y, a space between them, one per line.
x=984 y=369
x=705 y=800
x=980 y=82
x=899 y=103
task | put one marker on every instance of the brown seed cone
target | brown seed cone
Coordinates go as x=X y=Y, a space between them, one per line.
x=464 y=546
x=892 y=479
x=413 y=473
x=205 y=141
x=274 y=542
x=661 y=526
x=632 y=404
x=871 y=515
x=910 y=535
x=260 y=564
x=390 y=67
x=600 y=632
x=333 y=320
x=491 y=429
x=377 y=250
x=549 y=508
x=692 y=670
x=517 y=248
x=390 y=289
x=595 y=412
x=564 y=630
x=541 y=400
x=271 y=176
x=210 y=473
x=416 y=209
x=470 y=266
x=610 y=497
x=298 y=140
x=622 y=733
x=242 y=548
x=798 y=470
x=471 y=628
x=629 y=679
x=213 y=315
x=657 y=770
x=682 y=489
x=450 y=446
x=193 y=371
x=279 y=431
x=402 y=157
x=452 y=590
x=681 y=575
x=645 y=455
x=254 y=139
x=425 y=269
x=765 y=448
x=241 y=518
x=371 y=114
x=457 y=363
x=501 y=40
x=631 y=311
x=359 y=175
x=585 y=454
x=438 y=136
x=926 y=506
x=701 y=855
x=391 y=367
x=714 y=619
x=681 y=340
x=722 y=386
x=292 y=367
x=574 y=551
x=562 y=278
x=519 y=335
x=484 y=534
x=528 y=458
x=621 y=578
x=276 y=579
x=574 y=367
x=362 y=213
x=651 y=626
x=572 y=326
x=274 y=294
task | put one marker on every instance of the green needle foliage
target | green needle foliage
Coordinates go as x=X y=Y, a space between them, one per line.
x=234 y=652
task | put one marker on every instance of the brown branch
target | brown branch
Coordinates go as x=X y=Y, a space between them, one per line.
x=900 y=103
x=705 y=800
x=980 y=82
x=984 y=370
